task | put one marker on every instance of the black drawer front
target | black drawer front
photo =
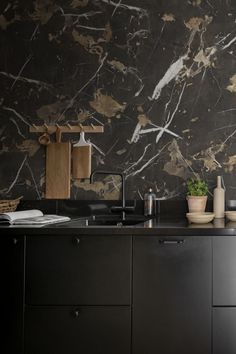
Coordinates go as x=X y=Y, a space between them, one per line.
x=224 y=271
x=12 y=294
x=78 y=270
x=85 y=330
x=224 y=327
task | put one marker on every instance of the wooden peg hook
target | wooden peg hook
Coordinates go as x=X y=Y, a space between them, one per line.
x=58 y=134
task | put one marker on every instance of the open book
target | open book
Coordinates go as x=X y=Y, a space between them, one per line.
x=31 y=217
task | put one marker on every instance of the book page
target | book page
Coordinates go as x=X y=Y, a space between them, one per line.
x=17 y=215
x=43 y=220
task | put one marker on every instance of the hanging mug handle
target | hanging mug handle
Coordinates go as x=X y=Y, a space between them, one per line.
x=44 y=139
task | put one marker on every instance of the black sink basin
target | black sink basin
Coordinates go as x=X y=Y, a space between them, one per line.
x=110 y=220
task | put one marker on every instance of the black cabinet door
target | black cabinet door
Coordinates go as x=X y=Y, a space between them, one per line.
x=224 y=327
x=78 y=270
x=85 y=330
x=172 y=295
x=12 y=294
x=224 y=271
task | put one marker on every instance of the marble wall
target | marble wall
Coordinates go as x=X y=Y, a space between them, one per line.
x=159 y=75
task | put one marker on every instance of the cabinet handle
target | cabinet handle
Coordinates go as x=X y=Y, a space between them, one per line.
x=77 y=240
x=15 y=241
x=76 y=313
x=171 y=242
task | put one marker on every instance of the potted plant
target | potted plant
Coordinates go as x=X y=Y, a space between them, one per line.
x=197 y=195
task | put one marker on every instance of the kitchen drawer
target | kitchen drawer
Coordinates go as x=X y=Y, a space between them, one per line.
x=224 y=271
x=85 y=330
x=78 y=270
x=224 y=325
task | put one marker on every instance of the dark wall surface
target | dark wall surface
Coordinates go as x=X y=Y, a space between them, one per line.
x=160 y=75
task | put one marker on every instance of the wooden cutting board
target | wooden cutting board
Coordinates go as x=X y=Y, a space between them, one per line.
x=58 y=169
x=81 y=161
x=81 y=158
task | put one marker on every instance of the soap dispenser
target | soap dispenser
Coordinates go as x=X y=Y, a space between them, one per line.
x=150 y=203
x=219 y=200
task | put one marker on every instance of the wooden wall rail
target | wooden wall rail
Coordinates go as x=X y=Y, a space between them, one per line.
x=70 y=129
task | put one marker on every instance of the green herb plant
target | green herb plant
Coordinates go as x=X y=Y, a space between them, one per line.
x=197 y=187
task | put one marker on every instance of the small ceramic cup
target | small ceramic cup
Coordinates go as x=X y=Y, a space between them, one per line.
x=44 y=139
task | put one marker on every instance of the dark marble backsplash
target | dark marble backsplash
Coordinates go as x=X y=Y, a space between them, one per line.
x=159 y=75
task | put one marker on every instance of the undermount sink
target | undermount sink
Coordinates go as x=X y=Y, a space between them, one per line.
x=111 y=220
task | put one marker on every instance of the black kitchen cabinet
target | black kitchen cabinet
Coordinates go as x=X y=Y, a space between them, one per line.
x=224 y=295
x=224 y=325
x=82 y=270
x=224 y=271
x=92 y=274
x=118 y=294
x=85 y=330
x=172 y=295
x=12 y=294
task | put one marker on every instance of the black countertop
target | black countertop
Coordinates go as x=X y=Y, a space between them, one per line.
x=171 y=220
x=155 y=227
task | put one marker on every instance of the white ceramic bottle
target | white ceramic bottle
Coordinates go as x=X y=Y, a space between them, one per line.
x=219 y=200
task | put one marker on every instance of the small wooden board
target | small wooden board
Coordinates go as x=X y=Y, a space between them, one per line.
x=81 y=161
x=58 y=170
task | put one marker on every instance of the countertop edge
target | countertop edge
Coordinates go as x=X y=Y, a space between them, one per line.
x=116 y=231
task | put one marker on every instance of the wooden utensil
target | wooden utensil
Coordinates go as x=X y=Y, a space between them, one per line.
x=58 y=167
x=81 y=158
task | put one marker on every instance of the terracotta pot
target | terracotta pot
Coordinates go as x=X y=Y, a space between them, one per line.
x=196 y=204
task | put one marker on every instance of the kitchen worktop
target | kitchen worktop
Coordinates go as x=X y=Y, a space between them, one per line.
x=162 y=226
x=171 y=220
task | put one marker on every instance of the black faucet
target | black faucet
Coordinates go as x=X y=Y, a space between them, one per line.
x=123 y=208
